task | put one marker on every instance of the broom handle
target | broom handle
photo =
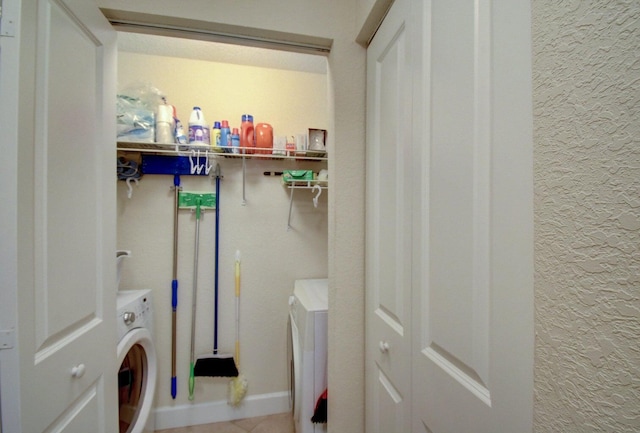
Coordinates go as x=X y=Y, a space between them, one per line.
x=237 y=308
x=215 y=290
x=174 y=288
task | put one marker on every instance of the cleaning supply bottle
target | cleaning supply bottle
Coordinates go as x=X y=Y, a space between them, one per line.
x=225 y=136
x=165 y=124
x=264 y=138
x=247 y=139
x=235 y=141
x=215 y=137
x=179 y=135
x=198 y=128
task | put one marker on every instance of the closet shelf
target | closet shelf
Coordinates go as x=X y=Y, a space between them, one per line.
x=186 y=150
x=307 y=184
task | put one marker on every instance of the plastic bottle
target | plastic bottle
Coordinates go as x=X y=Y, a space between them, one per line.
x=198 y=128
x=225 y=136
x=235 y=141
x=215 y=137
x=165 y=124
x=264 y=138
x=178 y=132
x=247 y=138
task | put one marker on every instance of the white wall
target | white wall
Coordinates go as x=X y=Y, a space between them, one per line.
x=335 y=20
x=587 y=215
x=272 y=256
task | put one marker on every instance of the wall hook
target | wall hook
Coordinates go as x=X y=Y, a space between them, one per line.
x=194 y=167
x=130 y=188
x=315 y=199
x=207 y=167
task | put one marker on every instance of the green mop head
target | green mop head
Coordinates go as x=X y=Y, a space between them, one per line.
x=196 y=200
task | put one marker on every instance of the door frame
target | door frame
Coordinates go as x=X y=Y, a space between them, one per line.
x=9 y=77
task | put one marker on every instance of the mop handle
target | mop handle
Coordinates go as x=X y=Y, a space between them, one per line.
x=192 y=380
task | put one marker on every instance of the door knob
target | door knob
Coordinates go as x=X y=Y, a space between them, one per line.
x=384 y=346
x=78 y=371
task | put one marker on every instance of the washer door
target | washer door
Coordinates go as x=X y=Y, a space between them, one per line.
x=136 y=380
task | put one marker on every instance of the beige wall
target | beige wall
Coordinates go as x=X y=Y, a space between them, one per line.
x=587 y=215
x=335 y=20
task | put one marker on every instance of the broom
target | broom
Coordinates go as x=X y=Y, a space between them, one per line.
x=216 y=364
x=239 y=384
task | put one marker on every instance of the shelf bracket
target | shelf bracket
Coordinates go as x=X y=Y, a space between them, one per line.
x=244 y=175
x=290 y=208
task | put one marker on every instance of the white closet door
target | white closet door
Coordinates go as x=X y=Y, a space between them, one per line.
x=472 y=365
x=449 y=219
x=66 y=234
x=388 y=225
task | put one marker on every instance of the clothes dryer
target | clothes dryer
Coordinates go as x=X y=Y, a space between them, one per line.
x=138 y=365
x=308 y=350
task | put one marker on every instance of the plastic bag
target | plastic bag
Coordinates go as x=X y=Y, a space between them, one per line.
x=135 y=111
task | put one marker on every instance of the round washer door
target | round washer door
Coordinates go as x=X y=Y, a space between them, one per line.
x=137 y=377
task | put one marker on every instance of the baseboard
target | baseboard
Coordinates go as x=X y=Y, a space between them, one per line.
x=219 y=411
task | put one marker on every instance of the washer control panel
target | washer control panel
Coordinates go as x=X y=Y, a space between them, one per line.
x=134 y=310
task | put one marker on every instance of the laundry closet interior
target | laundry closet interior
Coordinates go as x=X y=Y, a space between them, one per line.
x=279 y=237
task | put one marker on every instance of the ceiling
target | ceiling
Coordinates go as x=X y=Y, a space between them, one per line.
x=220 y=52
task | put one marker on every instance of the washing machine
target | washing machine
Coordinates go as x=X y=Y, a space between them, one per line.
x=137 y=375
x=308 y=351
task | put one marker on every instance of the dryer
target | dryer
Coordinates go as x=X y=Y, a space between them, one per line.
x=308 y=350
x=138 y=365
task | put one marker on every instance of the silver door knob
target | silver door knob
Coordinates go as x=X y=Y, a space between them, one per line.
x=78 y=371
x=129 y=317
x=384 y=346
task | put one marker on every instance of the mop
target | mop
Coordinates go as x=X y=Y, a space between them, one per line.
x=197 y=201
x=239 y=384
x=216 y=364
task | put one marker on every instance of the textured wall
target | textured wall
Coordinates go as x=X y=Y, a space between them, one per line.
x=586 y=77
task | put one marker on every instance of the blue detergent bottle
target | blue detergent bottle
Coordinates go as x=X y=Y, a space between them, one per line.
x=225 y=136
x=235 y=141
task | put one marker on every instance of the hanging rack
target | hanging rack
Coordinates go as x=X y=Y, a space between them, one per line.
x=316 y=187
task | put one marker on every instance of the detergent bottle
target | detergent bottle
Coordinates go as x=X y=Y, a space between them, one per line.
x=216 y=137
x=235 y=141
x=247 y=137
x=264 y=138
x=225 y=136
x=198 y=128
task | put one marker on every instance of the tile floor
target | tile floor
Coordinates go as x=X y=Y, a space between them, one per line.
x=279 y=423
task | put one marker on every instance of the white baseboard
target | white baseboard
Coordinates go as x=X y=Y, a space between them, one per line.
x=219 y=411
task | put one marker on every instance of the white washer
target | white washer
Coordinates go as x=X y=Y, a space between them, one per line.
x=137 y=375
x=308 y=344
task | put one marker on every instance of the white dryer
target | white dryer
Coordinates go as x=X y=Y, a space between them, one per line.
x=137 y=375
x=308 y=350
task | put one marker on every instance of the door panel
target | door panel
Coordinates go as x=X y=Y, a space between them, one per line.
x=458 y=196
x=67 y=232
x=472 y=317
x=449 y=219
x=388 y=225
